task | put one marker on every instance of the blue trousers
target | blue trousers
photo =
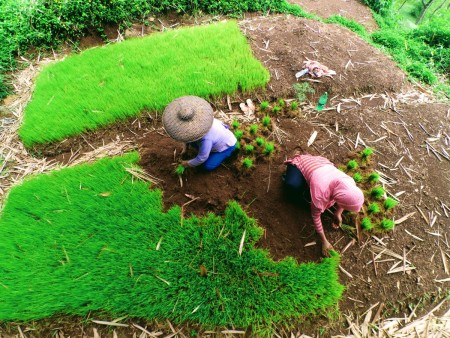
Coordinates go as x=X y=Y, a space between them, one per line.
x=215 y=159
x=295 y=184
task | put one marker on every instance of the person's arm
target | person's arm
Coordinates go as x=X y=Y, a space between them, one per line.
x=326 y=246
x=203 y=154
x=337 y=221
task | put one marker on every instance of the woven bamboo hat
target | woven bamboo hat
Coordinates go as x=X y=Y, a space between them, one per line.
x=188 y=118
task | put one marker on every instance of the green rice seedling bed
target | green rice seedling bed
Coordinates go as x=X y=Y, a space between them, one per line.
x=105 y=84
x=95 y=238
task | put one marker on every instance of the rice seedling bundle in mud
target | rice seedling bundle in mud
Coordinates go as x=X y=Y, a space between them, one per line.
x=378 y=209
x=92 y=238
x=102 y=85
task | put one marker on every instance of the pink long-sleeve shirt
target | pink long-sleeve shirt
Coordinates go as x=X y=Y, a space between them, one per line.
x=328 y=185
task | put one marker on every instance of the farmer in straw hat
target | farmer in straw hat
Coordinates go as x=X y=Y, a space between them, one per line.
x=327 y=186
x=190 y=119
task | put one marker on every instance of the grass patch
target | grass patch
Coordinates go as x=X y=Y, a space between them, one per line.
x=102 y=85
x=92 y=238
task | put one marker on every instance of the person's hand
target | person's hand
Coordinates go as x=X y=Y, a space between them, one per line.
x=185 y=164
x=337 y=221
x=326 y=247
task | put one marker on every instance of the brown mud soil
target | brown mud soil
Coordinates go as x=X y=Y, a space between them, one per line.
x=397 y=124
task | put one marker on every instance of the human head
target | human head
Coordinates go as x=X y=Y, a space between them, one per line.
x=347 y=195
x=188 y=118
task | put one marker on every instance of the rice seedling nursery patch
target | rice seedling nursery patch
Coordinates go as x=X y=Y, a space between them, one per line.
x=95 y=238
x=105 y=84
x=378 y=209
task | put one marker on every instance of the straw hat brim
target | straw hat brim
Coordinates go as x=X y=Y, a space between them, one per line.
x=188 y=118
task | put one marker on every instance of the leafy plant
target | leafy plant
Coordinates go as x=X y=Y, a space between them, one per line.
x=352 y=164
x=366 y=153
x=276 y=109
x=179 y=170
x=389 y=203
x=260 y=141
x=269 y=148
x=239 y=133
x=249 y=148
x=235 y=124
x=237 y=146
x=247 y=163
x=281 y=103
x=387 y=224
x=264 y=105
x=373 y=208
x=302 y=89
x=373 y=177
x=294 y=105
x=377 y=192
x=266 y=121
x=366 y=223
x=253 y=129
x=357 y=177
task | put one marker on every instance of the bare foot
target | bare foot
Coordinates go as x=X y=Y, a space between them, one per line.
x=337 y=221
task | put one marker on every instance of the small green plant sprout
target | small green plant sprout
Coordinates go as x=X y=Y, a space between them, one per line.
x=389 y=203
x=247 y=163
x=235 y=124
x=357 y=177
x=239 y=133
x=366 y=153
x=269 y=148
x=266 y=121
x=260 y=141
x=249 y=148
x=302 y=89
x=377 y=192
x=264 y=105
x=281 y=103
x=373 y=208
x=253 y=129
x=237 y=146
x=366 y=224
x=387 y=224
x=276 y=109
x=179 y=170
x=352 y=164
x=373 y=177
x=294 y=105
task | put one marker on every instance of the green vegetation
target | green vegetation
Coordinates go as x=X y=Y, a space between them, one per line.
x=260 y=141
x=264 y=105
x=239 y=133
x=366 y=224
x=276 y=109
x=373 y=208
x=281 y=103
x=105 y=243
x=266 y=121
x=249 y=148
x=238 y=146
x=352 y=164
x=377 y=192
x=235 y=124
x=269 y=147
x=387 y=224
x=247 y=163
x=81 y=92
x=366 y=153
x=253 y=129
x=179 y=170
x=357 y=177
x=373 y=177
x=350 y=24
x=389 y=203
x=294 y=105
x=302 y=89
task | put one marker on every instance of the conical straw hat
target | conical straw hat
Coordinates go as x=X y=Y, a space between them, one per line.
x=188 y=118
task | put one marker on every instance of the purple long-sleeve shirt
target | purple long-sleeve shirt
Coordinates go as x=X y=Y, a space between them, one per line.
x=216 y=140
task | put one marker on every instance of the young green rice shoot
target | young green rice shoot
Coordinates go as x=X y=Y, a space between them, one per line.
x=366 y=223
x=239 y=133
x=266 y=121
x=249 y=148
x=247 y=163
x=373 y=208
x=389 y=203
x=253 y=129
x=281 y=103
x=235 y=124
x=387 y=224
x=373 y=177
x=264 y=105
x=179 y=170
x=357 y=177
x=294 y=105
x=366 y=153
x=377 y=192
x=260 y=141
x=276 y=109
x=352 y=164
x=237 y=146
x=269 y=148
